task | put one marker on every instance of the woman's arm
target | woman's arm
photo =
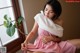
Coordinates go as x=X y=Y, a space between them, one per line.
x=56 y=39
x=24 y=45
x=53 y=37
x=32 y=33
x=46 y=39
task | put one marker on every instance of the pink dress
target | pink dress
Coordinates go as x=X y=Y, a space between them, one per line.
x=50 y=47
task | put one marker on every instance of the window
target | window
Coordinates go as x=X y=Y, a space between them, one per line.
x=8 y=10
x=12 y=9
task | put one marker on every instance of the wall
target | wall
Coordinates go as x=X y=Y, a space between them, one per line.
x=31 y=8
x=71 y=17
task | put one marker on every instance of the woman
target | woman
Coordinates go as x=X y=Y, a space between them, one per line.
x=50 y=30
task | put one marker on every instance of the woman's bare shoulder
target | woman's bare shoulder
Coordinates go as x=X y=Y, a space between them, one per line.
x=59 y=21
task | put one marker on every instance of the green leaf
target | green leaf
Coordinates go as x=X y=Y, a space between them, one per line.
x=11 y=31
x=5 y=23
x=15 y=25
x=10 y=18
x=5 y=17
x=20 y=20
x=9 y=24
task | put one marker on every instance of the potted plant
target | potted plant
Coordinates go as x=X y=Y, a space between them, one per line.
x=10 y=29
x=10 y=26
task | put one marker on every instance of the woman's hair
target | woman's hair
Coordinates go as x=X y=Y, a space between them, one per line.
x=56 y=6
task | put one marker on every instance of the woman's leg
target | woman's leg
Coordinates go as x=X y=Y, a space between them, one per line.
x=75 y=42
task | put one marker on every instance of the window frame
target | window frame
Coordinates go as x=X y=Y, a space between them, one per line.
x=15 y=45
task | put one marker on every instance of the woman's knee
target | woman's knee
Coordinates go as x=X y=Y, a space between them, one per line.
x=75 y=42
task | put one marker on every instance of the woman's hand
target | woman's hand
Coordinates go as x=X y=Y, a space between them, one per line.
x=24 y=46
x=46 y=39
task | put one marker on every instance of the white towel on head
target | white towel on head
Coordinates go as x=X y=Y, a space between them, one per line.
x=48 y=25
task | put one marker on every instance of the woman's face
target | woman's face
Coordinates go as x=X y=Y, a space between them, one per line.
x=48 y=11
